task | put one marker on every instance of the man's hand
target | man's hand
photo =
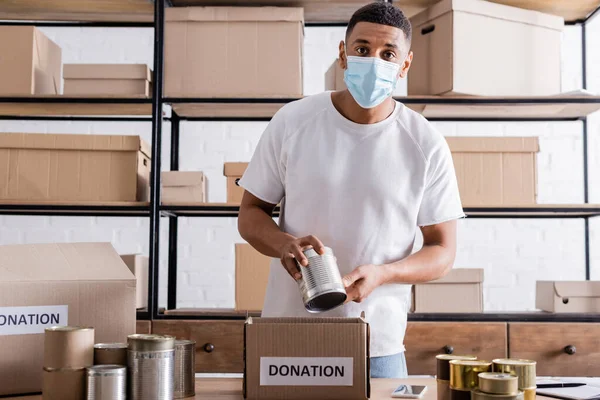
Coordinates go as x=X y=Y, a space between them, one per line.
x=292 y=251
x=362 y=281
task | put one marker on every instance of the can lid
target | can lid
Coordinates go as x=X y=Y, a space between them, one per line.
x=513 y=361
x=106 y=370
x=68 y=328
x=312 y=253
x=497 y=376
x=470 y=362
x=183 y=342
x=451 y=357
x=150 y=342
x=110 y=346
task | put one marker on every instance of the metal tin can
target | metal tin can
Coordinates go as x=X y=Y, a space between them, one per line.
x=464 y=374
x=498 y=383
x=443 y=373
x=68 y=347
x=321 y=284
x=110 y=354
x=107 y=382
x=479 y=395
x=522 y=369
x=185 y=369
x=150 y=359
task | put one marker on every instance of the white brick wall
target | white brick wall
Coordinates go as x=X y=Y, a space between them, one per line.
x=514 y=253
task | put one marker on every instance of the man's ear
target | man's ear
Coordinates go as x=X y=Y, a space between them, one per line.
x=343 y=61
x=406 y=65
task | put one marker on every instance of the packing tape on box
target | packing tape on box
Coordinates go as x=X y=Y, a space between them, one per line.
x=524 y=370
x=443 y=364
x=464 y=374
x=479 y=395
x=498 y=383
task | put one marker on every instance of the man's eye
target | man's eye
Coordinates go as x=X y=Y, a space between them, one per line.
x=389 y=55
x=361 y=50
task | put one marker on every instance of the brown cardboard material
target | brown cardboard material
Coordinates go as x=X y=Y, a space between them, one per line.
x=450 y=59
x=326 y=342
x=251 y=277
x=234 y=172
x=568 y=296
x=68 y=348
x=138 y=265
x=495 y=170
x=181 y=187
x=34 y=63
x=76 y=167
x=334 y=77
x=43 y=285
x=460 y=291
x=107 y=79
x=64 y=384
x=254 y=51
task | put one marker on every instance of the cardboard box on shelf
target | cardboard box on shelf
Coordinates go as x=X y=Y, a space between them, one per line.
x=334 y=77
x=494 y=171
x=269 y=41
x=251 y=277
x=31 y=63
x=138 y=265
x=234 y=172
x=180 y=187
x=107 y=79
x=460 y=291
x=43 y=285
x=477 y=47
x=301 y=358
x=99 y=168
x=568 y=296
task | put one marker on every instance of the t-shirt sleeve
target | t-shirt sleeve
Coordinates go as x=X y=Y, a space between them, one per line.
x=441 y=198
x=265 y=175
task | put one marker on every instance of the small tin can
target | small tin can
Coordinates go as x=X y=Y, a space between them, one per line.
x=524 y=370
x=443 y=373
x=321 y=284
x=464 y=374
x=110 y=354
x=107 y=382
x=150 y=359
x=185 y=369
x=498 y=383
x=68 y=347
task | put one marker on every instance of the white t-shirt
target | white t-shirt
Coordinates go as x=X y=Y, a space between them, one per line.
x=363 y=190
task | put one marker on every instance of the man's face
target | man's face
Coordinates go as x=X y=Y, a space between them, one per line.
x=374 y=40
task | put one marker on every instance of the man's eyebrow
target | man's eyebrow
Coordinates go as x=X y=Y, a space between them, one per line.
x=362 y=41
x=392 y=45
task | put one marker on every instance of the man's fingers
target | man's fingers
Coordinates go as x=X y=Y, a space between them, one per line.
x=314 y=242
x=299 y=255
x=289 y=263
x=352 y=277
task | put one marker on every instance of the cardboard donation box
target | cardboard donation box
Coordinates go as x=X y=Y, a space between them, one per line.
x=179 y=187
x=568 y=296
x=48 y=167
x=495 y=171
x=138 y=265
x=31 y=63
x=460 y=291
x=107 y=79
x=306 y=358
x=234 y=172
x=254 y=51
x=44 y=285
x=251 y=277
x=477 y=47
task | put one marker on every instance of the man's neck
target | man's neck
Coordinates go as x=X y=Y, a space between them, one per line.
x=349 y=108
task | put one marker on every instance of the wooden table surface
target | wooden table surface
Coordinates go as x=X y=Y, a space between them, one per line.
x=231 y=389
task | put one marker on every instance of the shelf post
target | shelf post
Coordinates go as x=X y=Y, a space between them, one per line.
x=157 y=119
x=173 y=225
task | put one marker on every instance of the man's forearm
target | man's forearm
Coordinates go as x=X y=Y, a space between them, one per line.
x=429 y=263
x=258 y=228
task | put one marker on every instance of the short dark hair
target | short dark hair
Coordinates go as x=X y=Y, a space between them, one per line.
x=382 y=13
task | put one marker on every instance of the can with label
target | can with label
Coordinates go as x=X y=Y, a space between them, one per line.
x=150 y=359
x=68 y=347
x=185 y=369
x=110 y=353
x=321 y=284
x=524 y=370
x=107 y=382
x=498 y=383
x=464 y=377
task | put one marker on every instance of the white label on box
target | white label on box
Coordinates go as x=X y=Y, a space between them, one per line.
x=31 y=320
x=306 y=371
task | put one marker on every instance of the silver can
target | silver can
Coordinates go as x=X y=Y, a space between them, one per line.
x=321 y=284
x=107 y=382
x=150 y=359
x=185 y=369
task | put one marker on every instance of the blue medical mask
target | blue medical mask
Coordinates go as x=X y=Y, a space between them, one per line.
x=370 y=80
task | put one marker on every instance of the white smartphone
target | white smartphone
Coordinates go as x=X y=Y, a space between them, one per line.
x=409 y=391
